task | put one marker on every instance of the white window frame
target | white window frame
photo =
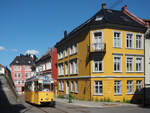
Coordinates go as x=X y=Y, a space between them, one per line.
x=130 y=87
x=117 y=87
x=71 y=87
x=98 y=88
x=137 y=62
x=73 y=66
x=118 y=63
x=98 y=61
x=132 y=39
x=97 y=45
x=71 y=50
x=62 y=85
x=139 y=85
x=66 y=52
x=66 y=68
x=137 y=40
x=117 y=40
x=59 y=86
x=130 y=62
x=76 y=86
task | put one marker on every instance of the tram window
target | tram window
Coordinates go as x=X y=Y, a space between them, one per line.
x=46 y=87
x=40 y=87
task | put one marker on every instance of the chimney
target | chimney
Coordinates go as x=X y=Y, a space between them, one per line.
x=103 y=5
x=65 y=33
x=124 y=8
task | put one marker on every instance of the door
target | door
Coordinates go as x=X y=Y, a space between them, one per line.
x=67 y=87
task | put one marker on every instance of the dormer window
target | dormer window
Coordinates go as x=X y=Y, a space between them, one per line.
x=99 y=18
x=29 y=62
x=17 y=61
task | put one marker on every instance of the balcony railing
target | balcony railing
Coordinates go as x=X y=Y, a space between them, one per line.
x=98 y=47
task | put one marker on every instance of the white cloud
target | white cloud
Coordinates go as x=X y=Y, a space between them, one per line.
x=2 y=48
x=32 y=52
x=14 y=50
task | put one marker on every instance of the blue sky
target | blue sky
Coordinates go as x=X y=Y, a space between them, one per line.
x=38 y=24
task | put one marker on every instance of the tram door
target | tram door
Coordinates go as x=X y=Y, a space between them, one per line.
x=67 y=87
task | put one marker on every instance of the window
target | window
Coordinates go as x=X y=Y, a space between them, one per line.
x=73 y=49
x=60 y=54
x=117 y=87
x=26 y=75
x=139 y=41
x=73 y=67
x=139 y=85
x=48 y=65
x=66 y=68
x=139 y=64
x=62 y=85
x=17 y=68
x=98 y=88
x=71 y=86
x=97 y=65
x=59 y=85
x=76 y=86
x=129 y=40
x=117 y=63
x=66 y=52
x=129 y=87
x=44 y=68
x=117 y=42
x=17 y=75
x=97 y=40
x=130 y=64
x=61 y=69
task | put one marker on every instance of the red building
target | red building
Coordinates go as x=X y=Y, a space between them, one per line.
x=21 y=70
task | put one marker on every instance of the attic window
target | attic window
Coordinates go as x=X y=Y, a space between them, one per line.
x=17 y=61
x=99 y=18
x=29 y=62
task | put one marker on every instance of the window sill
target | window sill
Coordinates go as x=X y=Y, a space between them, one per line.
x=117 y=47
x=130 y=93
x=139 y=72
x=99 y=72
x=129 y=48
x=98 y=95
x=130 y=72
x=117 y=72
x=118 y=94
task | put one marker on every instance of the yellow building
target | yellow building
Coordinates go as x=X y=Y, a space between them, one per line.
x=103 y=59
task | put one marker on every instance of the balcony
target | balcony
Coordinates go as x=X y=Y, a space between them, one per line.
x=97 y=47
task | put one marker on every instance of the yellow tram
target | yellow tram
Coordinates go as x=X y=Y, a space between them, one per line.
x=39 y=90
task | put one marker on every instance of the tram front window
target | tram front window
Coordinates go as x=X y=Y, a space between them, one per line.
x=44 y=87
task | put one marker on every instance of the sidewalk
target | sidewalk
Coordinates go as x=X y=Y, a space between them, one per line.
x=92 y=103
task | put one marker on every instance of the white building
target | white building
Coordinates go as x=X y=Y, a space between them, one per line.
x=2 y=69
x=147 y=67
